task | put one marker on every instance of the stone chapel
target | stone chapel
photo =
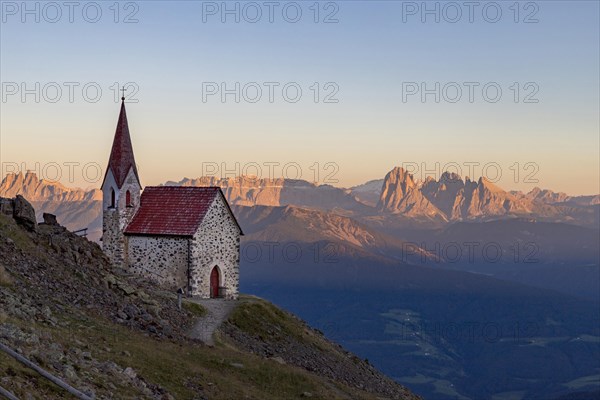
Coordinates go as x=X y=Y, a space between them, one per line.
x=179 y=237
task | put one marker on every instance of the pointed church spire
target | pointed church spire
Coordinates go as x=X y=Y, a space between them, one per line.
x=121 y=156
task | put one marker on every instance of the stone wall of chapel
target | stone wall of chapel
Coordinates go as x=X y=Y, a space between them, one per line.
x=162 y=259
x=216 y=243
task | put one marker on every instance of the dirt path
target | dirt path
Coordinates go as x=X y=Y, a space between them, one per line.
x=217 y=312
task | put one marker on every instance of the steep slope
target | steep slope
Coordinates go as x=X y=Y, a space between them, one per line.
x=488 y=200
x=118 y=336
x=558 y=256
x=337 y=236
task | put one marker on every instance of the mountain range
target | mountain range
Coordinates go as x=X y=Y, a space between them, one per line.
x=442 y=201
x=453 y=199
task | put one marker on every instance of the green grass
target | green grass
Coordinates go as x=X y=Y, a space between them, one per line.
x=263 y=319
x=260 y=318
x=194 y=308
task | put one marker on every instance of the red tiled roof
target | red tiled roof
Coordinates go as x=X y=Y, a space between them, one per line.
x=121 y=155
x=172 y=210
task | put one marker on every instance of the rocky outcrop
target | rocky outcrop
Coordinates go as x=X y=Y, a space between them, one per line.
x=400 y=194
x=74 y=208
x=21 y=210
x=50 y=219
x=448 y=195
x=488 y=199
x=24 y=213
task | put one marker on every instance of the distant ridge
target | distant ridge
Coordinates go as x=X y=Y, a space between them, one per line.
x=34 y=189
x=453 y=199
x=396 y=199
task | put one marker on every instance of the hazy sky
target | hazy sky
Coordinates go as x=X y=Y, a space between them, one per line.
x=375 y=61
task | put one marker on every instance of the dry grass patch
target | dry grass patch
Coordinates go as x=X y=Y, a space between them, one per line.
x=5 y=278
x=195 y=308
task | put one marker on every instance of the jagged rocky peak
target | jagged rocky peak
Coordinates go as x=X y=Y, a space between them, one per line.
x=485 y=184
x=17 y=180
x=451 y=178
x=396 y=185
x=399 y=178
x=547 y=196
x=450 y=197
x=401 y=194
x=448 y=180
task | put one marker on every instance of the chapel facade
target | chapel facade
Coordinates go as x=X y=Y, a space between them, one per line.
x=179 y=237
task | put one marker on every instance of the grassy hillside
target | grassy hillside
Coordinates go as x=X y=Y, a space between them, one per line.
x=117 y=336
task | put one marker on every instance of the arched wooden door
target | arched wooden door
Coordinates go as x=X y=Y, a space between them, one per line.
x=214 y=283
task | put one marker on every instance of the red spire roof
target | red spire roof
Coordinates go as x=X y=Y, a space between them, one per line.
x=121 y=155
x=173 y=210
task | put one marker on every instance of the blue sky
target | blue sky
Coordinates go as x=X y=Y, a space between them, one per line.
x=369 y=55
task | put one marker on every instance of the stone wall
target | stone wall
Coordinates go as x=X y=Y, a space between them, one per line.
x=113 y=243
x=162 y=259
x=216 y=243
x=114 y=220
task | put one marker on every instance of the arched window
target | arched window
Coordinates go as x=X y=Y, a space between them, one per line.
x=128 y=199
x=112 y=198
